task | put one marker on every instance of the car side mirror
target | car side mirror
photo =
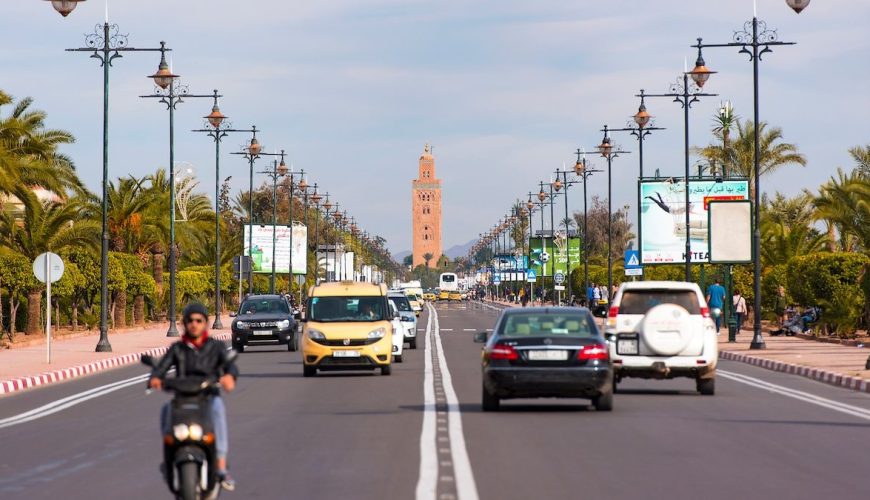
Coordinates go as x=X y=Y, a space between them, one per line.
x=233 y=315
x=480 y=338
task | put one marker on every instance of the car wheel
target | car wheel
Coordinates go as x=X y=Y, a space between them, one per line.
x=398 y=358
x=309 y=371
x=706 y=386
x=604 y=401
x=490 y=402
x=386 y=370
x=292 y=346
x=412 y=344
x=615 y=385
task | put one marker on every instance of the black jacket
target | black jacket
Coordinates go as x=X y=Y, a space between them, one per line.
x=210 y=361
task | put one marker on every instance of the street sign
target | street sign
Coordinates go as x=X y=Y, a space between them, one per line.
x=48 y=265
x=48 y=268
x=638 y=271
x=632 y=260
x=496 y=279
x=559 y=287
x=531 y=276
x=559 y=278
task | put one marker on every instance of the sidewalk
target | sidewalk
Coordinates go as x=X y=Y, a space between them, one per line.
x=830 y=363
x=25 y=367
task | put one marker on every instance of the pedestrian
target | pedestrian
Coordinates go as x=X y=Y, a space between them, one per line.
x=596 y=294
x=716 y=301
x=739 y=302
x=524 y=297
x=779 y=306
x=603 y=292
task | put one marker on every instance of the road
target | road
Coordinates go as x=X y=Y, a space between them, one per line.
x=763 y=435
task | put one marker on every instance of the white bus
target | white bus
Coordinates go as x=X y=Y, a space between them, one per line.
x=448 y=282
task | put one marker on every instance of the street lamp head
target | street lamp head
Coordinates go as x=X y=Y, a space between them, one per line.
x=64 y=7
x=580 y=167
x=796 y=5
x=303 y=185
x=605 y=147
x=254 y=147
x=530 y=204
x=700 y=73
x=282 y=168
x=164 y=76
x=327 y=205
x=642 y=117
x=316 y=198
x=215 y=118
x=557 y=185
x=542 y=195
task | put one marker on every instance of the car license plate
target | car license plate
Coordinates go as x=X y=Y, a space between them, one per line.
x=548 y=355
x=626 y=346
x=346 y=354
x=262 y=332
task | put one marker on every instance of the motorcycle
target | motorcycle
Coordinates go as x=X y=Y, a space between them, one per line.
x=189 y=453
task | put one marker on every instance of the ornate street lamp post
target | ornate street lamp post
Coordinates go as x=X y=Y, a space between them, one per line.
x=106 y=44
x=251 y=153
x=606 y=150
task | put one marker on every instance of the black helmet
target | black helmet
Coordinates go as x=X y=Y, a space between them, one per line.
x=194 y=308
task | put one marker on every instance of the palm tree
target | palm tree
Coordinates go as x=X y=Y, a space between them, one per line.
x=723 y=122
x=861 y=155
x=844 y=203
x=740 y=155
x=781 y=242
x=43 y=227
x=427 y=257
x=29 y=154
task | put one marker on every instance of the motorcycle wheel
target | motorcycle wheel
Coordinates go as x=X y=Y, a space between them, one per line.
x=188 y=480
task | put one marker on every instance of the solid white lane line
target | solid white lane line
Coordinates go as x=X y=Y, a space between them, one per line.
x=446 y=329
x=466 y=488
x=427 y=482
x=75 y=399
x=855 y=411
x=469 y=330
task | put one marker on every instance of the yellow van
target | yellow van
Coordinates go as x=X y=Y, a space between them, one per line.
x=347 y=327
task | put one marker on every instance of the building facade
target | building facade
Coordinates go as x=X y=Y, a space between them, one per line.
x=426 y=211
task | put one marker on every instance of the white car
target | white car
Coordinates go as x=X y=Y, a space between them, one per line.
x=409 y=319
x=398 y=333
x=662 y=330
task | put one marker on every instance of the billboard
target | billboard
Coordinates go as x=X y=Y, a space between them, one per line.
x=663 y=217
x=261 y=253
x=547 y=255
x=730 y=231
x=506 y=262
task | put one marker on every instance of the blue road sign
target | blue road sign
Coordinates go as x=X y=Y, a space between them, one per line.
x=632 y=259
x=531 y=276
x=496 y=279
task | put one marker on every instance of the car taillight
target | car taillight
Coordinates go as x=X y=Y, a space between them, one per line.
x=594 y=351
x=614 y=310
x=501 y=351
x=705 y=312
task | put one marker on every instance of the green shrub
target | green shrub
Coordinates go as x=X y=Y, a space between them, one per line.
x=833 y=280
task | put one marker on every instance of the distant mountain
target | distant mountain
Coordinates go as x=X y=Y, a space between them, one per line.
x=459 y=250
x=400 y=256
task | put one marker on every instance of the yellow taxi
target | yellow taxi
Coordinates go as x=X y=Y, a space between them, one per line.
x=416 y=302
x=455 y=295
x=429 y=296
x=444 y=295
x=347 y=327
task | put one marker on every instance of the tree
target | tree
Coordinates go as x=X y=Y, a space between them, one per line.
x=16 y=275
x=739 y=155
x=597 y=230
x=408 y=260
x=861 y=155
x=43 y=227
x=427 y=257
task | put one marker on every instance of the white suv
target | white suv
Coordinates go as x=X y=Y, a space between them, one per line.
x=662 y=330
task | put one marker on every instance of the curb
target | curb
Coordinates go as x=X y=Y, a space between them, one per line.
x=831 y=378
x=19 y=384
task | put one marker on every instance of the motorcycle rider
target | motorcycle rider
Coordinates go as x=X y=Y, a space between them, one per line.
x=200 y=356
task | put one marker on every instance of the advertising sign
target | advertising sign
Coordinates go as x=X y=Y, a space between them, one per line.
x=261 y=253
x=663 y=217
x=548 y=256
x=730 y=232
x=506 y=262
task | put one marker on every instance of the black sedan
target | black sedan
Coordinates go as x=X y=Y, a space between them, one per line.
x=263 y=320
x=552 y=352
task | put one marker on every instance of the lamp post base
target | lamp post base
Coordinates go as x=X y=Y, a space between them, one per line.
x=757 y=343
x=103 y=345
x=173 y=329
x=217 y=325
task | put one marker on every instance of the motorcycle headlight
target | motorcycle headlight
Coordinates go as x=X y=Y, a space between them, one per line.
x=377 y=334
x=316 y=335
x=181 y=432
x=283 y=325
x=195 y=431
x=242 y=325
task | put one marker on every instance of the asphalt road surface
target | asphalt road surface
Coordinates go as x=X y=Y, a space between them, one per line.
x=420 y=433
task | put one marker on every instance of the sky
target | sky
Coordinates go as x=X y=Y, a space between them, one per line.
x=504 y=90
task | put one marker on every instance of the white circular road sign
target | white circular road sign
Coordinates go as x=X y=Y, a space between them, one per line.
x=48 y=264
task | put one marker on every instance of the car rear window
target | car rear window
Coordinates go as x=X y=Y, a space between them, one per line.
x=401 y=303
x=641 y=301
x=547 y=325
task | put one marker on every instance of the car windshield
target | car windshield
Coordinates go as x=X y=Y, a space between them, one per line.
x=258 y=305
x=548 y=325
x=333 y=309
x=641 y=301
x=401 y=303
